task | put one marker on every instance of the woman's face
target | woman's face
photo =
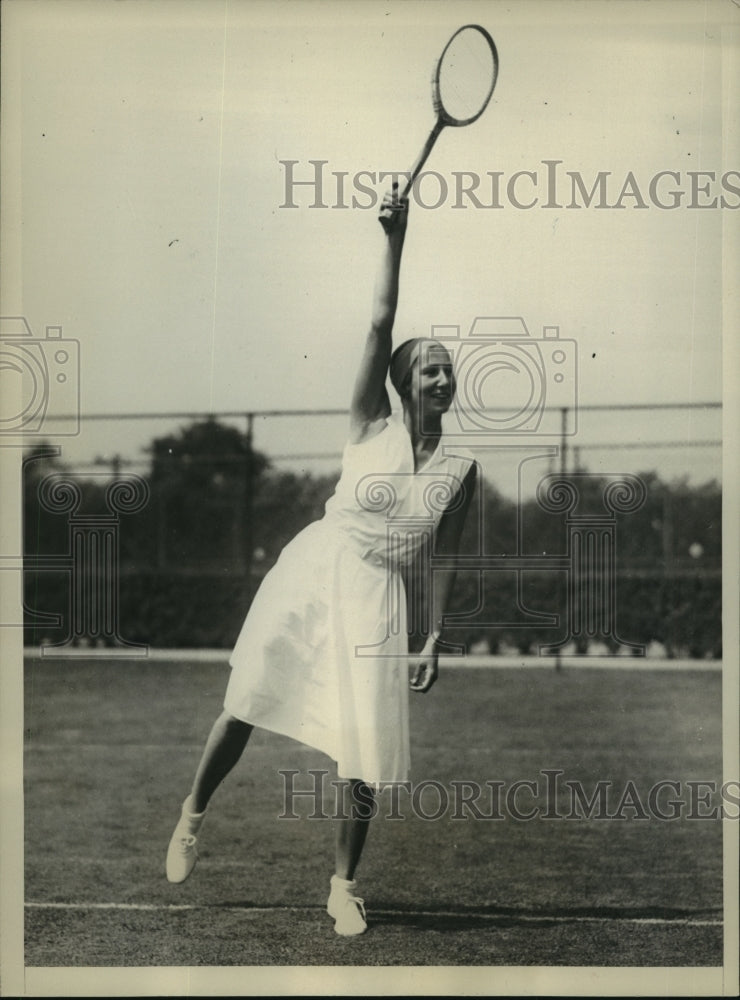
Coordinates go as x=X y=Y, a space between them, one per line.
x=432 y=381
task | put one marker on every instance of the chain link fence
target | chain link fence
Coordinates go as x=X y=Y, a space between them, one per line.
x=165 y=545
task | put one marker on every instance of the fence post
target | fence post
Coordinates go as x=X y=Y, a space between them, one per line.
x=248 y=514
x=563 y=473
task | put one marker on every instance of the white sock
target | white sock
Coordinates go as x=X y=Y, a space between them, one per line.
x=342 y=883
x=193 y=820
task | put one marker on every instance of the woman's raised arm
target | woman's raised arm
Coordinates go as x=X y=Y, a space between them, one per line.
x=370 y=405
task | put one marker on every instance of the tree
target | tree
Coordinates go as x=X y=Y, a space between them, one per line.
x=43 y=531
x=203 y=483
x=284 y=505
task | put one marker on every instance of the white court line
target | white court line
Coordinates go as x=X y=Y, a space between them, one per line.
x=499 y=661
x=520 y=918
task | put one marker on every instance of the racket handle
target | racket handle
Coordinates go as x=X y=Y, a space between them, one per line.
x=386 y=214
x=423 y=155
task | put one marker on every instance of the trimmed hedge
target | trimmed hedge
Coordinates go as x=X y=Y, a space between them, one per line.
x=206 y=610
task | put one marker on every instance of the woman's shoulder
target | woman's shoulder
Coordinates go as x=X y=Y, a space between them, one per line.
x=363 y=434
x=387 y=425
x=454 y=452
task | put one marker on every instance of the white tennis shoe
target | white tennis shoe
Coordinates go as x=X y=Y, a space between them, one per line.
x=347 y=910
x=182 y=852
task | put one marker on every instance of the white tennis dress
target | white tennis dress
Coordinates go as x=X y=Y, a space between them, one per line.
x=322 y=655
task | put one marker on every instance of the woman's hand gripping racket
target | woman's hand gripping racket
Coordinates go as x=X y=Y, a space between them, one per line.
x=462 y=83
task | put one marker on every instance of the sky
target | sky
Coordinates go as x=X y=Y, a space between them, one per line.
x=148 y=173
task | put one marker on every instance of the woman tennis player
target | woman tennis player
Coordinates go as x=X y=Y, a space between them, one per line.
x=305 y=664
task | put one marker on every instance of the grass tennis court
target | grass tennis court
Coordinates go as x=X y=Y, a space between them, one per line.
x=110 y=750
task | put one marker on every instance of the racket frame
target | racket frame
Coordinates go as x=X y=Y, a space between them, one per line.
x=443 y=117
x=439 y=108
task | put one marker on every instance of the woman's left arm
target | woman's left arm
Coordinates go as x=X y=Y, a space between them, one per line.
x=447 y=543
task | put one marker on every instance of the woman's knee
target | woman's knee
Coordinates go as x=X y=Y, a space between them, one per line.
x=360 y=799
x=233 y=726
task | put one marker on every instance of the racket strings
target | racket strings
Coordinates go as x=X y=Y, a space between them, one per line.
x=466 y=75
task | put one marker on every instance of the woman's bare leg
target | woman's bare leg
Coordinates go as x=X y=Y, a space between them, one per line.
x=224 y=747
x=343 y=904
x=359 y=806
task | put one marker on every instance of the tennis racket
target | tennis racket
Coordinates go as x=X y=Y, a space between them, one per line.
x=462 y=84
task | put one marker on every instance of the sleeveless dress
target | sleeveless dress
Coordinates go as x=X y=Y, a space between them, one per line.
x=322 y=654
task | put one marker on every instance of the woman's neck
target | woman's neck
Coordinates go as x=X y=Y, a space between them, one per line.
x=424 y=432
